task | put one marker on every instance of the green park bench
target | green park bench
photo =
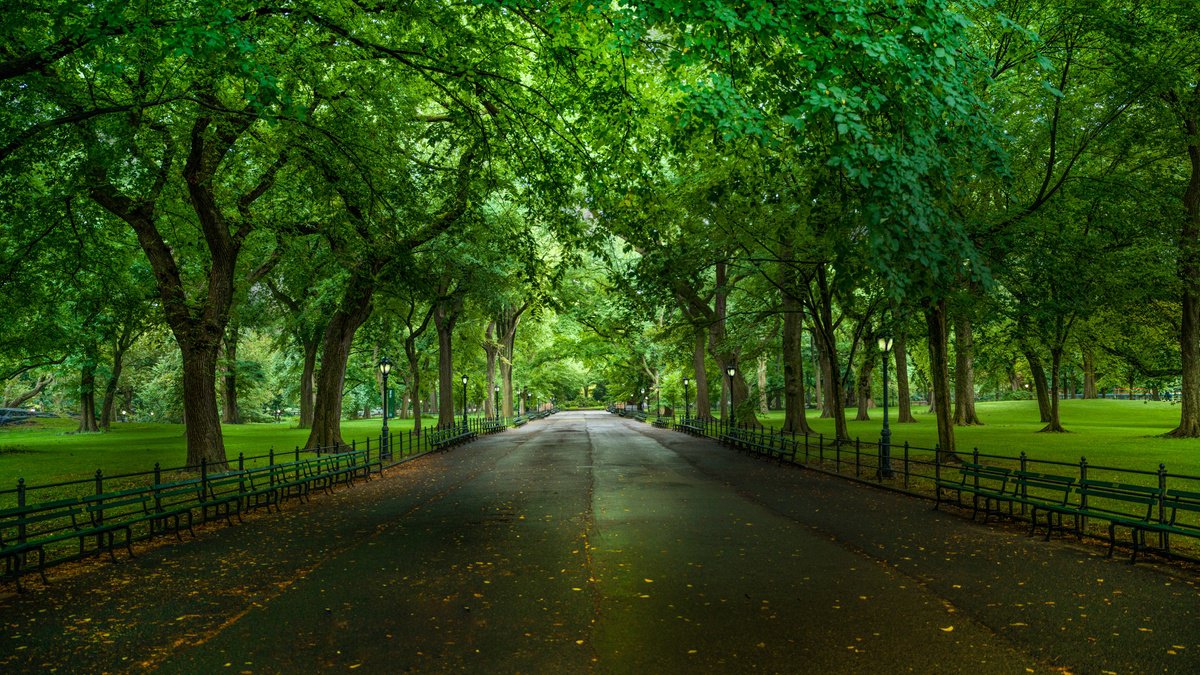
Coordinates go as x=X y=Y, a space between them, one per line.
x=29 y=529
x=1033 y=491
x=977 y=480
x=1181 y=505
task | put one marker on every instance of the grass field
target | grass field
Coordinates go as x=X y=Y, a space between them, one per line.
x=49 y=451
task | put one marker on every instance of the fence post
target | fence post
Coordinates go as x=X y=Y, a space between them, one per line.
x=241 y=461
x=297 y=453
x=906 y=464
x=271 y=455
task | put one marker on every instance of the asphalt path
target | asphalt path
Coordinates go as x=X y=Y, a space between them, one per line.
x=590 y=543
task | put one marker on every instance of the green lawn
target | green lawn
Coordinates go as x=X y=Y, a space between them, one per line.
x=1121 y=434
x=48 y=451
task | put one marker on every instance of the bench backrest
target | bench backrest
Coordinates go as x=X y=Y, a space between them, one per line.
x=1120 y=499
x=116 y=506
x=1045 y=485
x=34 y=521
x=1183 y=508
x=981 y=475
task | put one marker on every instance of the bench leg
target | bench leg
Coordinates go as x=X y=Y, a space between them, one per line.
x=1112 y=538
x=129 y=541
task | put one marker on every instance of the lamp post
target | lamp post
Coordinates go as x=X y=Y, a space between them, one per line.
x=658 y=401
x=730 y=372
x=642 y=405
x=885 y=436
x=385 y=368
x=497 y=409
x=464 y=381
x=687 y=408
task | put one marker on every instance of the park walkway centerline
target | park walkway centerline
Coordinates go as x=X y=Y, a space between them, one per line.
x=585 y=542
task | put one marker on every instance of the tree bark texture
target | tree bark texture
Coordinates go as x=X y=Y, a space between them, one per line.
x=445 y=315
x=763 y=408
x=87 y=391
x=1038 y=374
x=795 y=418
x=865 y=371
x=507 y=323
x=903 y=397
x=1089 y=374
x=1189 y=272
x=307 y=383
x=1054 y=425
x=939 y=377
x=700 y=376
x=489 y=349
x=229 y=411
x=964 y=372
x=352 y=312
x=827 y=343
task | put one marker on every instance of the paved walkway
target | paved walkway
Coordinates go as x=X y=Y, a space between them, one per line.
x=588 y=543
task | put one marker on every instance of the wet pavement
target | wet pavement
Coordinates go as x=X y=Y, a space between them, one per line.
x=590 y=543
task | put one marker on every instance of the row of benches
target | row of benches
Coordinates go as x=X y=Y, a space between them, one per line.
x=104 y=521
x=1141 y=509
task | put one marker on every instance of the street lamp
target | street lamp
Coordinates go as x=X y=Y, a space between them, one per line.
x=687 y=408
x=642 y=405
x=731 y=371
x=657 y=401
x=385 y=368
x=464 y=381
x=497 y=410
x=885 y=436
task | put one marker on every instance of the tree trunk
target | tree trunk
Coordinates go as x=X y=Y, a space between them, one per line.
x=307 y=388
x=903 y=399
x=864 y=385
x=1054 y=426
x=489 y=349
x=445 y=315
x=1189 y=273
x=110 y=391
x=834 y=394
x=415 y=377
x=795 y=418
x=818 y=375
x=939 y=377
x=202 y=423
x=1038 y=372
x=506 y=332
x=763 y=408
x=229 y=411
x=87 y=391
x=700 y=374
x=964 y=373
x=353 y=311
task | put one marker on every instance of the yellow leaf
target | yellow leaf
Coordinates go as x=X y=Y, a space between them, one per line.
x=947 y=629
